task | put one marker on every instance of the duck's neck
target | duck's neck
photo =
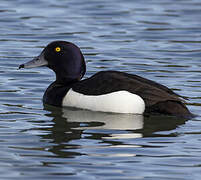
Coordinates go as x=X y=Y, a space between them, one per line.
x=66 y=80
x=68 y=76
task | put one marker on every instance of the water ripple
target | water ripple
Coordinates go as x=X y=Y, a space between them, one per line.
x=159 y=40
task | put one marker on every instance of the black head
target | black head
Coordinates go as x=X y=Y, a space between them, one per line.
x=64 y=58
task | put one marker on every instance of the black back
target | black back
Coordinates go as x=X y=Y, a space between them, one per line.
x=157 y=98
x=110 y=81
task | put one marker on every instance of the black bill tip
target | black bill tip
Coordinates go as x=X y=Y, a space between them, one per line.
x=21 y=66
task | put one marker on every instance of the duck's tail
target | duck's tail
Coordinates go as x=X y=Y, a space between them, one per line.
x=170 y=107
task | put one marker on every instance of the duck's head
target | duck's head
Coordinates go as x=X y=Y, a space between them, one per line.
x=64 y=58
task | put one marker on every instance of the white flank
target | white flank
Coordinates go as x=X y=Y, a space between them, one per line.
x=117 y=102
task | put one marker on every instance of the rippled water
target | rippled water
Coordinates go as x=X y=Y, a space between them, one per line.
x=159 y=40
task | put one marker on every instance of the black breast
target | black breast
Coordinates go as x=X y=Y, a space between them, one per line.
x=55 y=93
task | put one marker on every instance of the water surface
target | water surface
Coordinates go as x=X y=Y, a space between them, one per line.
x=159 y=40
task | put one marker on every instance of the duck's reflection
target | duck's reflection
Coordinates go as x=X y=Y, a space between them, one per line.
x=103 y=120
x=74 y=124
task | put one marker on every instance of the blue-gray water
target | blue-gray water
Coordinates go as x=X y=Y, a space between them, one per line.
x=159 y=40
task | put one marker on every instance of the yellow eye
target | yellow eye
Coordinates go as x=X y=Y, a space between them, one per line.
x=57 y=49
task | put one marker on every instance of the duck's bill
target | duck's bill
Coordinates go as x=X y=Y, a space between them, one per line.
x=36 y=62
